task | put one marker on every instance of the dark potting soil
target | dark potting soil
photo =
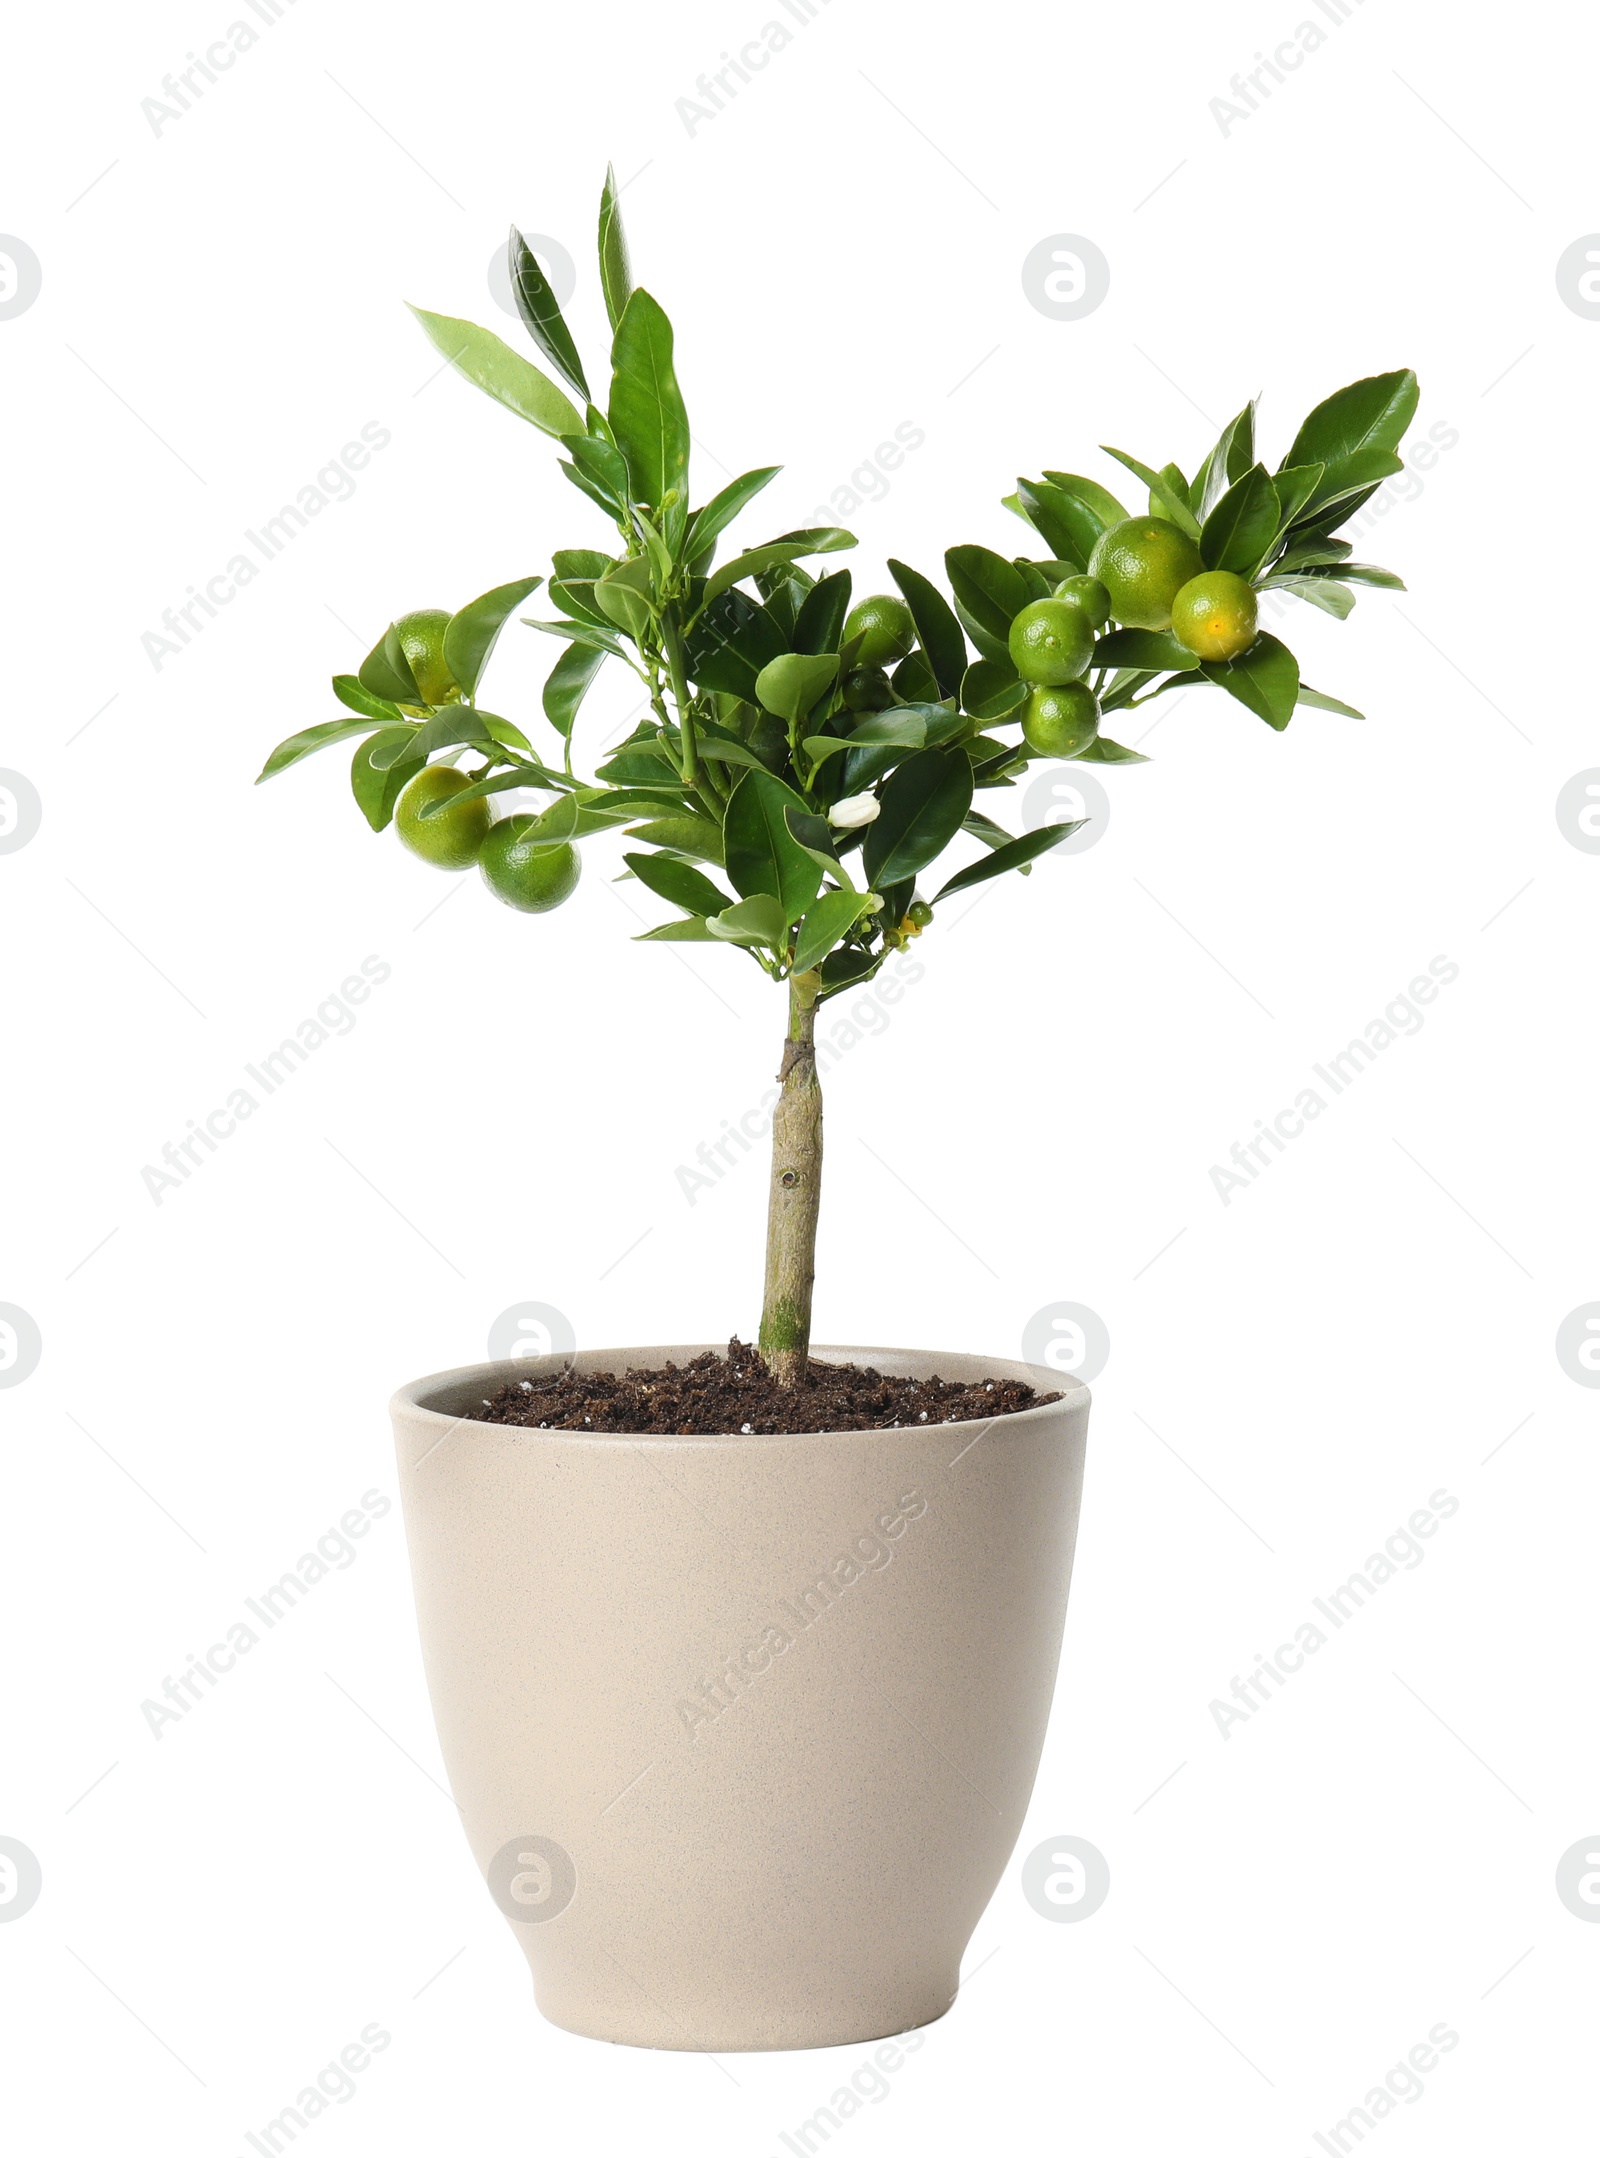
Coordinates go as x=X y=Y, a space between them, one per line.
x=715 y=1395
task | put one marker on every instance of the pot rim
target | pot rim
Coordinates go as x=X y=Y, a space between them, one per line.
x=409 y=1400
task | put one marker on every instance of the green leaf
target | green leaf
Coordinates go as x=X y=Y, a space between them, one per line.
x=1062 y=521
x=988 y=589
x=377 y=787
x=1176 y=485
x=310 y=739
x=687 y=930
x=1231 y=457
x=1101 y=504
x=727 y=748
x=684 y=835
x=923 y=805
x=646 y=410
x=1294 y=488
x=791 y=684
x=505 y=732
x=828 y=919
x=502 y=374
x=616 y=275
x=820 y=622
x=1265 y=679
x=351 y=693
x=1369 y=573
x=760 y=853
x=1369 y=415
x=1176 y=505
x=455 y=725
x=567 y=684
x=1152 y=651
x=1015 y=854
x=1240 y=530
x=470 y=633
x=1324 y=703
x=625 y=595
x=729 y=644
x=491 y=783
x=1102 y=750
x=989 y=690
x=757 y=920
x=723 y=507
x=385 y=673
x=1305 y=553
x=605 y=469
x=602 y=640
x=1324 y=592
x=823 y=539
x=1364 y=472
x=937 y=629
x=580 y=565
x=677 y=882
x=541 y=314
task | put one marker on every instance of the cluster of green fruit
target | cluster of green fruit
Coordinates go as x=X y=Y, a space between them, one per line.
x=1144 y=572
x=524 y=873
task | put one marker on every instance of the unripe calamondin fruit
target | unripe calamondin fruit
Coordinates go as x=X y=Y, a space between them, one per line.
x=451 y=839
x=1061 y=721
x=529 y=876
x=1051 y=641
x=884 y=624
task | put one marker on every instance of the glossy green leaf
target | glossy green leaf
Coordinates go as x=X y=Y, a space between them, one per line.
x=1101 y=504
x=377 y=787
x=646 y=410
x=567 y=684
x=541 y=313
x=677 y=882
x=1366 y=416
x=575 y=597
x=1240 y=530
x=1324 y=703
x=923 y=804
x=691 y=930
x=1066 y=525
x=602 y=640
x=502 y=374
x=729 y=644
x=603 y=466
x=826 y=920
x=625 y=596
x=759 y=919
x=1324 y=592
x=1369 y=573
x=616 y=274
x=310 y=739
x=823 y=539
x=1230 y=458
x=684 y=835
x=1176 y=485
x=1176 y=505
x=1102 y=750
x=791 y=684
x=723 y=507
x=470 y=634
x=455 y=726
x=725 y=747
x=493 y=783
x=351 y=693
x=937 y=629
x=1294 y=488
x=988 y=589
x=989 y=690
x=760 y=852
x=1015 y=854
x=1152 y=651
x=1265 y=679
x=820 y=622
x=385 y=674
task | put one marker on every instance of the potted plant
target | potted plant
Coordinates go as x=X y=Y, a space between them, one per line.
x=741 y=1661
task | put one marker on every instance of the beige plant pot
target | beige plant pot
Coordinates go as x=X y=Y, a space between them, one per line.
x=742 y=1729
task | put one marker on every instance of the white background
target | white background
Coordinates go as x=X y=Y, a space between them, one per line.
x=1366 y=1323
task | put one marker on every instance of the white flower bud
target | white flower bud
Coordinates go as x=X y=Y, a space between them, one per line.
x=853 y=811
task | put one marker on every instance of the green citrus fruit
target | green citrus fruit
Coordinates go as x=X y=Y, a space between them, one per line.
x=866 y=689
x=1143 y=562
x=450 y=840
x=919 y=914
x=886 y=629
x=1051 y=641
x=1061 y=721
x=421 y=635
x=532 y=878
x=1089 y=594
x=1215 y=615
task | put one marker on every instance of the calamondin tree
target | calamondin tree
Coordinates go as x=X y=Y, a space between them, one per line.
x=805 y=762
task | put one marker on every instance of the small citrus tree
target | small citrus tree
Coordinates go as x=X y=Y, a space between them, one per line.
x=803 y=763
